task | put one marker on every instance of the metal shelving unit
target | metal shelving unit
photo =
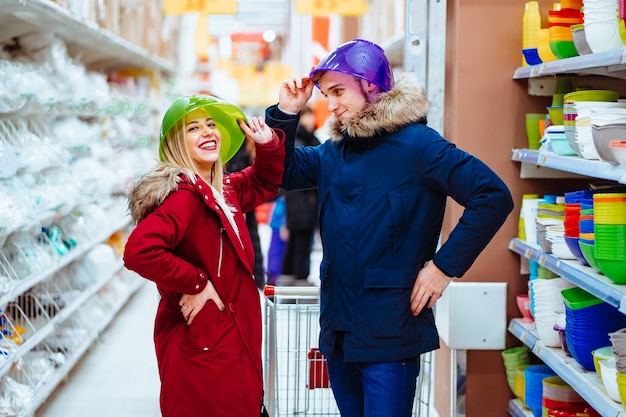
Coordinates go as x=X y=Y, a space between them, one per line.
x=42 y=320
x=586 y=383
x=572 y=164
x=583 y=276
x=610 y=63
x=94 y=46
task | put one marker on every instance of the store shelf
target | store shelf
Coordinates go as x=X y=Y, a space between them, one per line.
x=55 y=379
x=585 y=383
x=583 y=276
x=71 y=256
x=572 y=164
x=86 y=41
x=35 y=339
x=517 y=409
x=609 y=63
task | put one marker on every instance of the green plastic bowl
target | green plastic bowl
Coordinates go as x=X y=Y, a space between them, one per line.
x=576 y=298
x=563 y=49
x=592 y=95
x=615 y=270
x=588 y=252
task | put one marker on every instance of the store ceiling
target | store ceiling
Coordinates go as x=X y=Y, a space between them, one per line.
x=254 y=16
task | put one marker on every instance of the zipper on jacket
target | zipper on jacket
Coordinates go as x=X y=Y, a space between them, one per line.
x=219 y=263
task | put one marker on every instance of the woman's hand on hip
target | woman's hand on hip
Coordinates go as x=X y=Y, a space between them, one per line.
x=191 y=304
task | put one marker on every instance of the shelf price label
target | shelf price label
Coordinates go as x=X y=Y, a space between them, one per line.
x=204 y=7
x=331 y=7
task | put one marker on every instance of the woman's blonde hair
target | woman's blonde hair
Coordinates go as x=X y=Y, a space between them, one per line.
x=173 y=150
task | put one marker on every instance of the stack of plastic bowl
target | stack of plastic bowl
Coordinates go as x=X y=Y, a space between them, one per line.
x=570 y=111
x=533 y=377
x=571 y=225
x=610 y=234
x=586 y=237
x=559 y=28
x=608 y=376
x=548 y=304
x=595 y=146
x=554 y=140
x=601 y=25
x=543 y=47
x=601 y=354
x=618 y=342
x=513 y=358
x=519 y=386
x=580 y=40
x=559 y=395
x=606 y=125
x=523 y=304
x=562 y=42
x=618 y=147
x=588 y=322
x=556 y=236
x=531 y=25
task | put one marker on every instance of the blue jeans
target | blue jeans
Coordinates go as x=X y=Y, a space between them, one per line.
x=373 y=389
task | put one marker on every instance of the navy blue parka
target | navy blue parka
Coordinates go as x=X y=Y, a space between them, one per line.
x=383 y=179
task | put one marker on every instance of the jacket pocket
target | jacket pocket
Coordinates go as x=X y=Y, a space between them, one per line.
x=386 y=303
x=208 y=328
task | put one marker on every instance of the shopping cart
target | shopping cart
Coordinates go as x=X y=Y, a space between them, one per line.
x=296 y=378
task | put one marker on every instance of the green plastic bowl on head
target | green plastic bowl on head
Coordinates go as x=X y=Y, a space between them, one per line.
x=224 y=114
x=576 y=298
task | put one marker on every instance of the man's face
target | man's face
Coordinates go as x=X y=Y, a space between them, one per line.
x=345 y=94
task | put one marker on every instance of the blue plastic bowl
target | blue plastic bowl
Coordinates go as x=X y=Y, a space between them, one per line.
x=532 y=56
x=572 y=244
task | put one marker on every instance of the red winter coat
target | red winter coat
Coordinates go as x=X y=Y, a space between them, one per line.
x=213 y=367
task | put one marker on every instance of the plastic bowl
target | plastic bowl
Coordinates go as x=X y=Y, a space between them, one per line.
x=531 y=56
x=601 y=354
x=572 y=245
x=615 y=270
x=609 y=379
x=602 y=137
x=556 y=114
x=592 y=95
x=577 y=298
x=588 y=252
x=563 y=49
x=580 y=41
x=618 y=147
x=523 y=304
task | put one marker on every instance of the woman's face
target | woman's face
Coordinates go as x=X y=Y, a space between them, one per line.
x=203 y=138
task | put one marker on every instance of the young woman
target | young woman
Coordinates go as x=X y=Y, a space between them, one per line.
x=191 y=239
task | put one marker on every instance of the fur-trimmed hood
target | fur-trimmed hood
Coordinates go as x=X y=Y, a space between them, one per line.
x=404 y=104
x=148 y=191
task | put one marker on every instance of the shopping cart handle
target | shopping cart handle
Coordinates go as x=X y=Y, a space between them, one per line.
x=272 y=290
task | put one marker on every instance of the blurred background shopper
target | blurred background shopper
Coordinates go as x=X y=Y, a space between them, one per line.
x=301 y=215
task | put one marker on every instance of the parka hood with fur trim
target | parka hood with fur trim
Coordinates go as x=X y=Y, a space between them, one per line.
x=148 y=191
x=404 y=104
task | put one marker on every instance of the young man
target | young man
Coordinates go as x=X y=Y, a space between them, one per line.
x=383 y=179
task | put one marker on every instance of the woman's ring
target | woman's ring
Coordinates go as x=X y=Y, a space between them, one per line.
x=184 y=307
x=254 y=130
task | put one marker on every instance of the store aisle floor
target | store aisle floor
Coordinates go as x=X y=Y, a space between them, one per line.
x=118 y=376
